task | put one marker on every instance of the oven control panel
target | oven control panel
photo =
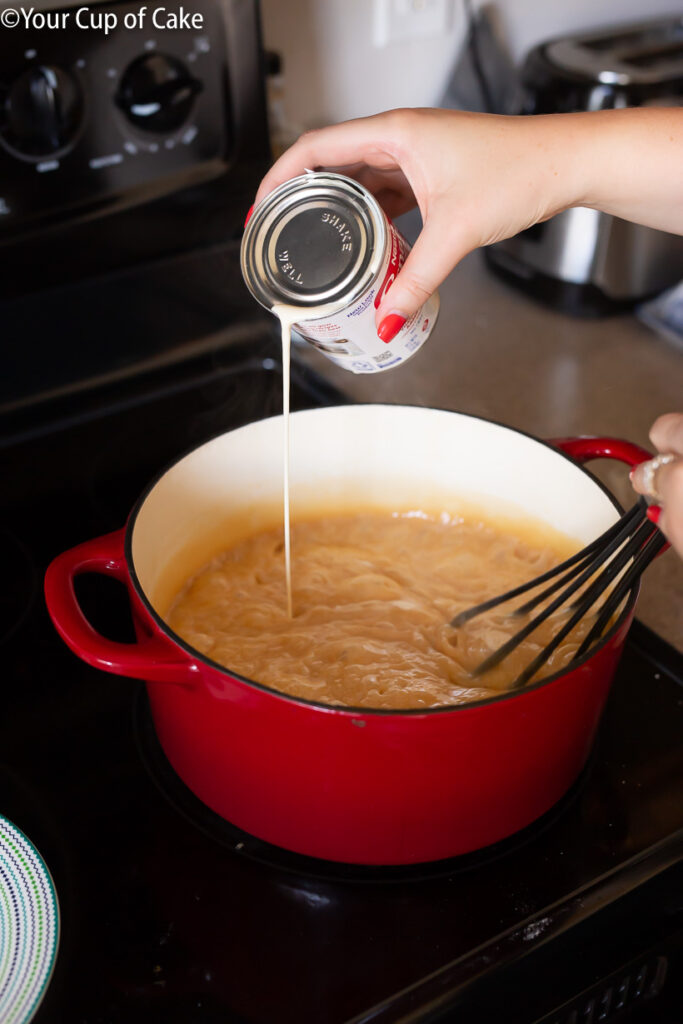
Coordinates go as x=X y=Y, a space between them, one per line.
x=106 y=106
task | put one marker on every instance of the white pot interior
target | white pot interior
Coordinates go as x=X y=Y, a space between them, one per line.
x=353 y=457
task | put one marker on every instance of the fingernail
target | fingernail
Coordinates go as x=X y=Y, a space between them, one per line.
x=251 y=210
x=390 y=327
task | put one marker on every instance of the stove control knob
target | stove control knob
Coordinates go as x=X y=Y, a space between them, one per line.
x=157 y=93
x=41 y=111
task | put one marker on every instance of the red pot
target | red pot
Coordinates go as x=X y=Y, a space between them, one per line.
x=362 y=786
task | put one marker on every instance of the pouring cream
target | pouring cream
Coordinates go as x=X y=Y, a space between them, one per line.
x=323 y=236
x=288 y=316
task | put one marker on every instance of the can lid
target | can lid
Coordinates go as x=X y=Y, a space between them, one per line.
x=316 y=239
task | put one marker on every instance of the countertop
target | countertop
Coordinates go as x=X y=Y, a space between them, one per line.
x=498 y=354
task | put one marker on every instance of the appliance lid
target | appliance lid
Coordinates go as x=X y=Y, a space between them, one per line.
x=650 y=53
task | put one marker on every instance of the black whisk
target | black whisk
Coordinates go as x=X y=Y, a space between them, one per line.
x=634 y=538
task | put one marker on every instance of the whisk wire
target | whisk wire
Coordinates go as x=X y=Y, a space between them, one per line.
x=650 y=549
x=614 y=567
x=587 y=600
x=632 y=539
x=577 y=560
x=596 y=553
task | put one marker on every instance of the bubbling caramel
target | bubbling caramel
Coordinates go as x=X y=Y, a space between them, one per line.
x=372 y=598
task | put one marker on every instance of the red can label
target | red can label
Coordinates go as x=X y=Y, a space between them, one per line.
x=349 y=337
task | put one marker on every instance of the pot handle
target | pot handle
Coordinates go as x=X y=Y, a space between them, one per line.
x=585 y=448
x=155 y=658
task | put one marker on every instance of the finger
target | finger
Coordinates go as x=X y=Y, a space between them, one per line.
x=645 y=478
x=376 y=179
x=373 y=178
x=659 y=480
x=670 y=487
x=435 y=253
x=394 y=203
x=340 y=145
x=389 y=186
x=667 y=433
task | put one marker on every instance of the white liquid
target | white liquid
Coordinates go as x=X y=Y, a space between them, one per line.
x=289 y=315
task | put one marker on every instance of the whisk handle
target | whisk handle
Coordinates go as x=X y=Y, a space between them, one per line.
x=583 y=449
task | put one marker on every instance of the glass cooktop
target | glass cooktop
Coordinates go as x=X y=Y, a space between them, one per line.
x=171 y=915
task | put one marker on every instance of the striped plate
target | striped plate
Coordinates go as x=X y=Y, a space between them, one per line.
x=29 y=926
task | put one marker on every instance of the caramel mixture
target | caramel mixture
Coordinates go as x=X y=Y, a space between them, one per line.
x=372 y=598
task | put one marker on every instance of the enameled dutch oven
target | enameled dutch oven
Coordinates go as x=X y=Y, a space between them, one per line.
x=353 y=785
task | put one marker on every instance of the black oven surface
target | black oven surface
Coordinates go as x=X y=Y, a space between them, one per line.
x=169 y=914
x=96 y=341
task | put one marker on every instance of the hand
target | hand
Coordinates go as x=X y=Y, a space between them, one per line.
x=467 y=173
x=477 y=178
x=667 y=437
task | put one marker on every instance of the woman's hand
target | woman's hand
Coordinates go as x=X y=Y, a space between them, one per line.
x=477 y=178
x=469 y=175
x=667 y=482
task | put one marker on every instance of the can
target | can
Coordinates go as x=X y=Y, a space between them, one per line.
x=322 y=243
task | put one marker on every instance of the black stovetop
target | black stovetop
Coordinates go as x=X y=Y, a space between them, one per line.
x=170 y=915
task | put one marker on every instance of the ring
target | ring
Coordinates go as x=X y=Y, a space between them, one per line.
x=649 y=471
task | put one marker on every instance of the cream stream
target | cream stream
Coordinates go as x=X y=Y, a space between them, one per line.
x=288 y=316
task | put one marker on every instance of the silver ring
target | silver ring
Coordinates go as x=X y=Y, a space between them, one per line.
x=649 y=471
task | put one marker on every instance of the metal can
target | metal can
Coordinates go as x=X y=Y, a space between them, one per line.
x=322 y=240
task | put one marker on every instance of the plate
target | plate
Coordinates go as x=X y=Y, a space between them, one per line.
x=29 y=926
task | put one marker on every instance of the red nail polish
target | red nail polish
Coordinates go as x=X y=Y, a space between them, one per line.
x=390 y=327
x=251 y=210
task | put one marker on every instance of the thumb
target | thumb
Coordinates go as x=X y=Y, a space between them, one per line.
x=435 y=253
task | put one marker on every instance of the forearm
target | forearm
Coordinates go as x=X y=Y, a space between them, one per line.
x=479 y=178
x=628 y=163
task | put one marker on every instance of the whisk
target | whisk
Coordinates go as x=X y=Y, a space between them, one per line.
x=632 y=539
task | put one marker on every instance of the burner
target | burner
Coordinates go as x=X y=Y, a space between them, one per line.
x=184 y=801
x=171 y=913
x=20 y=579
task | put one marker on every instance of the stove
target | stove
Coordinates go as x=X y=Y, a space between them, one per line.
x=170 y=914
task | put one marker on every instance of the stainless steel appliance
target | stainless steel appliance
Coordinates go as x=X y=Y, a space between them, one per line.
x=584 y=261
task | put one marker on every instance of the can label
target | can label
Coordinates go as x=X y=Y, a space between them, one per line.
x=349 y=337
